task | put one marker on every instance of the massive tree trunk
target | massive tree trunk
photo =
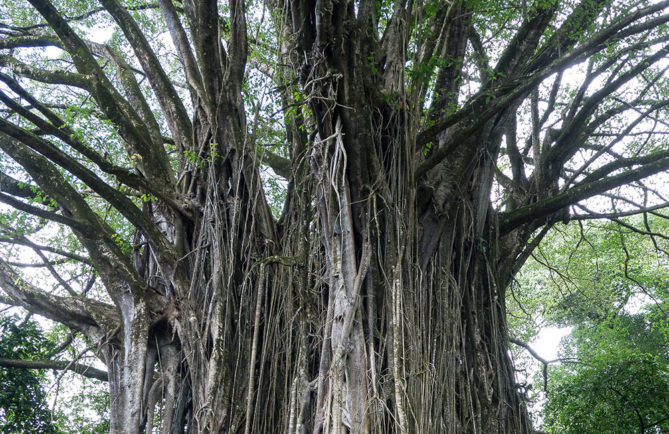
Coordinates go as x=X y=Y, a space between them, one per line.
x=376 y=302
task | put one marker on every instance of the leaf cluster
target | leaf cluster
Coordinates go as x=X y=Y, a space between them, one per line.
x=22 y=397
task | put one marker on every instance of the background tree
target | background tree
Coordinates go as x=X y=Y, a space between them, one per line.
x=617 y=381
x=608 y=282
x=22 y=399
x=28 y=395
x=427 y=148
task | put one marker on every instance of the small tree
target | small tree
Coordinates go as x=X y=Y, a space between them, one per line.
x=619 y=382
x=22 y=400
x=607 y=281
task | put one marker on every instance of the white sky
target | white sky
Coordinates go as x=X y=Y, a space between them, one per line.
x=547 y=343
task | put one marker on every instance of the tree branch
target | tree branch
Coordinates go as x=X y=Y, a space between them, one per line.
x=534 y=354
x=67 y=196
x=616 y=215
x=280 y=165
x=86 y=371
x=39 y=212
x=43 y=75
x=177 y=117
x=238 y=45
x=76 y=17
x=16 y=188
x=487 y=102
x=154 y=161
x=584 y=190
x=181 y=43
x=31 y=40
x=60 y=129
x=75 y=312
x=26 y=242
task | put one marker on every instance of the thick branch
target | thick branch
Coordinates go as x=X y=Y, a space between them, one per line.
x=153 y=159
x=15 y=187
x=180 y=41
x=43 y=75
x=169 y=100
x=86 y=371
x=543 y=208
x=74 y=312
x=124 y=205
x=525 y=41
x=280 y=165
x=17 y=41
x=238 y=42
x=59 y=128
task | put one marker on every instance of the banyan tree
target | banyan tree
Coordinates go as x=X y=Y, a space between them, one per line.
x=303 y=216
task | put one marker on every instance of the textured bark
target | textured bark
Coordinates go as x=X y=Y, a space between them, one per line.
x=375 y=302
